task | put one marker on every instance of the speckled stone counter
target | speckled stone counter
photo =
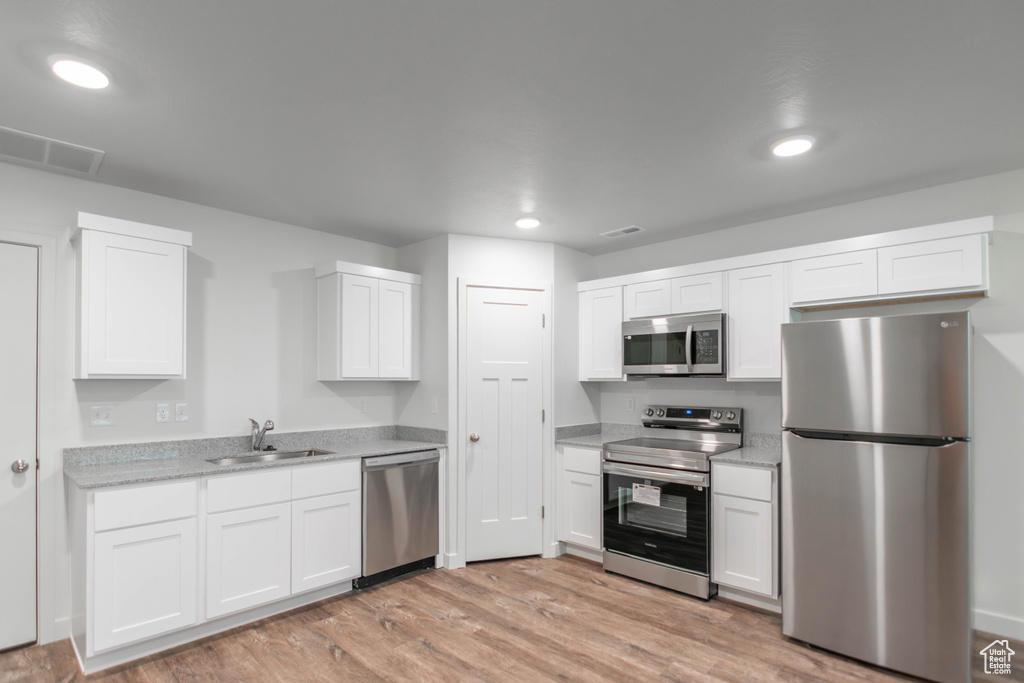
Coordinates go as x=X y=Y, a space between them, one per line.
x=761 y=450
x=122 y=464
x=595 y=435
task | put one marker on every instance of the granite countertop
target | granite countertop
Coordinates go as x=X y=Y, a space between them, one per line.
x=591 y=440
x=120 y=465
x=760 y=457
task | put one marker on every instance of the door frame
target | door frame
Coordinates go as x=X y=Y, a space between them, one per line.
x=49 y=473
x=455 y=475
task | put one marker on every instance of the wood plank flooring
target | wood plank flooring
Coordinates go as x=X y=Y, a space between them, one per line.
x=518 y=620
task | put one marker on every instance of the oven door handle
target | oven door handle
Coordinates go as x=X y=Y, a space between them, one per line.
x=656 y=474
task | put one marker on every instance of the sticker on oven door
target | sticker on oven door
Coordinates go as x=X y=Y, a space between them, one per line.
x=647 y=495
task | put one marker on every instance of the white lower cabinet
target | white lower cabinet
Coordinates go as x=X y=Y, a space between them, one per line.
x=326 y=540
x=144 y=582
x=248 y=558
x=744 y=519
x=579 y=497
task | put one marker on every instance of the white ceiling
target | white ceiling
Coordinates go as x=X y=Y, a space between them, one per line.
x=396 y=121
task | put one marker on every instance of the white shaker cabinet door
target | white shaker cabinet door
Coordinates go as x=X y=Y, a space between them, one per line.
x=326 y=540
x=601 y=334
x=952 y=263
x=580 y=509
x=743 y=544
x=697 y=293
x=833 y=277
x=647 y=299
x=360 y=309
x=395 y=329
x=144 y=582
x=131 y=306
x=248 y=558
x=757 y=307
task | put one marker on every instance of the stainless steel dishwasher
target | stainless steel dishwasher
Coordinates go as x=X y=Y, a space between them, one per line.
x=400 y=515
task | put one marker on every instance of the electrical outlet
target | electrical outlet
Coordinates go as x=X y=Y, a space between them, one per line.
x=630 y=405
x=181 y=412
x=433 y=405
x=362 y=405
x=102 y=416
x=163 y=412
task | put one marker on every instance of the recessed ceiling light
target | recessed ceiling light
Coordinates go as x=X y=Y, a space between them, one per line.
x=527 y=222
x=790 y=147
x=77 y=72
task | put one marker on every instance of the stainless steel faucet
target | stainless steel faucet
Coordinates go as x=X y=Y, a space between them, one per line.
x=258 y=434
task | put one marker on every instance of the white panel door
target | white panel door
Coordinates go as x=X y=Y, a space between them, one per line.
x=756 y=309
x=647 y=299
x=579 y=513
x=952 y=263
x=359 y=325
x=697 y=293
x=18 y=303
x=395 y=325
x=601 y=334
x=326 y=540
x=504 y=400
x=136 y=317
x=144 y=582
x=742 y=547
x=248 y=558
x=837 y=276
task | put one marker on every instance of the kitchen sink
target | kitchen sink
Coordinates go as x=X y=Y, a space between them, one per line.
x=268 y=456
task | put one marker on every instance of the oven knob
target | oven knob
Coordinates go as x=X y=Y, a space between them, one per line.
x=716 y=415
x=649 y=412
x=661 y=412
x=730 y=416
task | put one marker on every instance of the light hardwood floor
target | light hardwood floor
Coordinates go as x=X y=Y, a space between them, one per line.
x=519 y=620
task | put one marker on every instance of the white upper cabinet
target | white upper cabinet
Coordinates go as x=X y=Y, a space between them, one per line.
x=696 y=293
x=952 y=263
x=368 y=323
x=647 y=299
x=601 y=334
x=129 y=299
x=756 y=310
x=838 y=276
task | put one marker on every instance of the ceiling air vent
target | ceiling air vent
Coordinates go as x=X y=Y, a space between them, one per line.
x=622 y=231
x=54 y=155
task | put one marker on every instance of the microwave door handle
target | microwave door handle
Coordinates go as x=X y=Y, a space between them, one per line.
x=689 y=343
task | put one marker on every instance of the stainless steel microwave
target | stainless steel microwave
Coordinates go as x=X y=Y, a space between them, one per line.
x=676 y=346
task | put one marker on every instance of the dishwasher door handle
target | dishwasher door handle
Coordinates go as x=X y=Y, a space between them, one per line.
x=400 y=460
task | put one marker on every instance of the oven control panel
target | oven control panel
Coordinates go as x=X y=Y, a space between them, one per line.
x=692 y=417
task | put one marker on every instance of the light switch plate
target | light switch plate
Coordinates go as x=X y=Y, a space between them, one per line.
x=181 y=412
x=102 y=416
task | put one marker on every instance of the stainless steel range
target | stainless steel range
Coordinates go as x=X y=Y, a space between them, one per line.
x=657 y=496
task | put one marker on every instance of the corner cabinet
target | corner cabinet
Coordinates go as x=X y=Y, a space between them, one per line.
x=129 y=299
x=367 y=323
x=745 y=523
x=601 y=334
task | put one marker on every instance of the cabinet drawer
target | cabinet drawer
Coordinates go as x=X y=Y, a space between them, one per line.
x=246 y=490
x=321 y=480
x=144 y=505
x=745 y=482
x=584 y=460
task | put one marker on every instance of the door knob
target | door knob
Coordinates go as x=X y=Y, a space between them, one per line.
x=474 y=437
x=19 y=466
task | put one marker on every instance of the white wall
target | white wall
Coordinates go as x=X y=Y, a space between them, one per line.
x=575 y=402
x=430 y=260
x=251 y=339
x=998 y=508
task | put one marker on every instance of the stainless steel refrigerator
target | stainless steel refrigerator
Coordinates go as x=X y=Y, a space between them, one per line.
x=876 y=488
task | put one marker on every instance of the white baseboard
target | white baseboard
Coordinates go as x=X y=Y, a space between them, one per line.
x=61 y=629
x=585 y=553
x=452 y=561
x=999 y=624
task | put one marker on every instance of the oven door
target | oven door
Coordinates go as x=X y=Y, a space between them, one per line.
x=656 y=515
